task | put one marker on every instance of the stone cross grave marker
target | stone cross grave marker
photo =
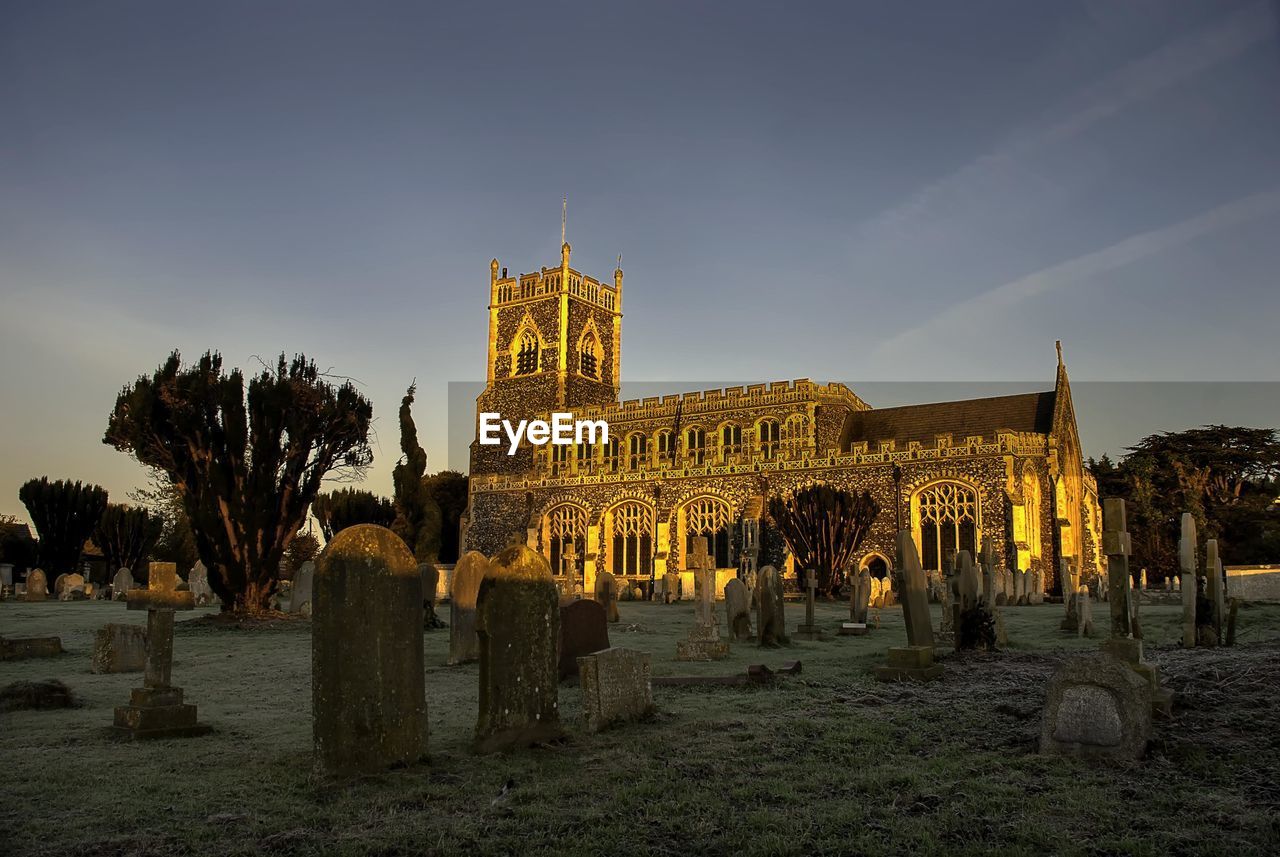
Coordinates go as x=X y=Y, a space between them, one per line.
x=809 y=630
x=156 y=709
x=1116 y=545
x=704 y=641
x=1188 y=553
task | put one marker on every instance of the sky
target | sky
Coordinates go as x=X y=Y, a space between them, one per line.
x=861 y=192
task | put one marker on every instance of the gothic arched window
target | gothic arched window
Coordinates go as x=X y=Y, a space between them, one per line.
x=611 y=455
x=948 y=522
x=666 y=447
x=695 y=446
x=588 y=356
x=632 y=539
x=768 y=433
x=527 y=354
x=708 y=516
x=730 y=442
x=637 y=451
x=566 y=526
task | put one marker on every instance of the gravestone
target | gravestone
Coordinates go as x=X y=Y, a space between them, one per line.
x=156 y=709
x=914 y=661
x=1096 y=706
x=70 y=587
x=617 y=686
x=1084 y=612
x=1071 y=621
x=1019 y=597
x=607 y=594
x=121 y=584
x=771 y=619
x=120 y=649
x=737 y=609
x=1035 y=595
x=37 y=587
x=671 y=587
x=947 y=597
x=368 y=697
x=300 y=600
x=58 y=583
x=518 y=622
x=810 y=630
x=987 y=565
x=1213 y=587
x=703 y=642
x=860 y=598
x=1188 y=559
x=584 y=628
x=198 y=583
x=464 y=586
x=430 y=577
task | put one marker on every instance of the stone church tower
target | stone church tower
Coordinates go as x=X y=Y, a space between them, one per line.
x=554 y=345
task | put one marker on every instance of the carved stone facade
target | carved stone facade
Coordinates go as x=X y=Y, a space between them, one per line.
x=699 y=464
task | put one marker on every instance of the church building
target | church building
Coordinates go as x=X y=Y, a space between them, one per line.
x=706 y=463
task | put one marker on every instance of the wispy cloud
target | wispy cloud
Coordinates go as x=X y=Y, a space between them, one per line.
x=1007 y=175
x=984 y=306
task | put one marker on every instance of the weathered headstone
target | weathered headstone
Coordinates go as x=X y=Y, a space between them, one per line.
x=703 y=642
x=464 y=585
x=300 y=601
x=584 y=628
x=1213 y=586
x=771 y=619
x=737 y=609
x=860 y=597
x=70 y=587
x=198 y=583
x=37 y=587
x=1019 y=597
x=1071 y=621
x=1188 y=559
x=1096 y=706
x=947 y=596
x=156 y=709
x=607 y=594
x=518 y=622
x=914 y=661
x=1035 y=594
x=987 y=564
x=1084 y=612
x=368 y=696
x=671 y=587
x=430 y=577
x=120 y=649
x=121 y=584
x=810 y=630
x=616 y=686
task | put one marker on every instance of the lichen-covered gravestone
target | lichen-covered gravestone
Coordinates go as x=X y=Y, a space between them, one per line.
x=70 y=587
x=121 y=584
x=1096 y=705
x=157 y=710
x=368 y=698
x=120 y=649
x=616 y=686
x=464 y=586
x=771 y=620
x=607 y=594
x=914 y=661
x=301 y=597
x=584 y=628
x=198 y=583
x=37 y=586
x=703 y=642
x=737 y=609
x=517 y=621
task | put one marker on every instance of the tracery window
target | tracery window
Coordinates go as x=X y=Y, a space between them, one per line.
x=637 y=451
x=948 y=522
x=588 y=362
x=695 y=446
x=527 y=355
x=566 y=525
x=611 y=455
x=730 y=442
x=559 y=458
x=767 y=439
x=666 y=447
x=794 y=436
x=632 y=539
x=708 y=516
x=584 y=457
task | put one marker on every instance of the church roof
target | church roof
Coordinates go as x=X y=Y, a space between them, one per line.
x=1026 y=412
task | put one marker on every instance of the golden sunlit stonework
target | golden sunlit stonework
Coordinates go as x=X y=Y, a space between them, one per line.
x=705 y=463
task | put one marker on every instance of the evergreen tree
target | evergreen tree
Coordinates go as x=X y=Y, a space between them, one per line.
x=823 y=526
x=346 y=507
x=126 y=535
x=247 y=467
x=449 y=490
x=64 y=514
x=417 y=514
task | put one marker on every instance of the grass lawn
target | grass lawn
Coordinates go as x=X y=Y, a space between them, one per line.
x=826 y=762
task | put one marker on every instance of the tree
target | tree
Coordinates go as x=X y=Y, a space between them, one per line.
x=126 y=535
x=247 y=469
x=448 y=489
x=302 y=549
x=177 y=543
x=417 y=515
x=17 y=548
x=823 y=526
x=1225 y=476
x=64 y=514
x=346 y=507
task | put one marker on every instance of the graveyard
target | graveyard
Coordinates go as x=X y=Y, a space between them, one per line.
x=825 y=761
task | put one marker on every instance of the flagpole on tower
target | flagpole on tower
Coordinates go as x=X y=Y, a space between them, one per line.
x=564 y=217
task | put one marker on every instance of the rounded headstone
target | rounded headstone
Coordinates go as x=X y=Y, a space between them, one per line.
x=464 y=585
x=369 y=708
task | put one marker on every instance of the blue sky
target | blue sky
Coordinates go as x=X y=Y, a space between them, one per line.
x=859 y=191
